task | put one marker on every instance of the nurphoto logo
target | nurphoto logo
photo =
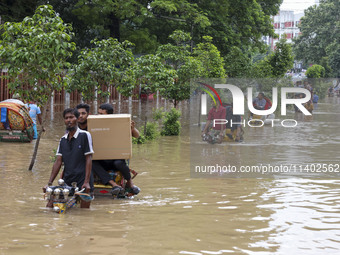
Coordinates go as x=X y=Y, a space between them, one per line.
x=238 y=103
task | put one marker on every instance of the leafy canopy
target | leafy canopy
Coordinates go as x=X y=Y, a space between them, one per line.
x=275 y=64
x=178 y=58
x=152 y=75
x=35 y=52
x=315 y=71
x=320 y=37
x=108 y=63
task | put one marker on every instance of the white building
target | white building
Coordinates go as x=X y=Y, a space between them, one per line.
x=286 y=26
x=286 y=21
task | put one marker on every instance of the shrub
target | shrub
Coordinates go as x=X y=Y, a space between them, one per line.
x=171 y=125
x=316 y=71
x=140 y=140
x=158 y=114
x=151 y=131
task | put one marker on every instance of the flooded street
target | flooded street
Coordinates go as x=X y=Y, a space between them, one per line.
x=176 y=213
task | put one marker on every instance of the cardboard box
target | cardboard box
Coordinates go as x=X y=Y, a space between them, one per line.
x=111 y=136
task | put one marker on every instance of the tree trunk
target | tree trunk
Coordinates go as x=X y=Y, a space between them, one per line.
x=146 y=120
x=35 y=151
x=200 y=109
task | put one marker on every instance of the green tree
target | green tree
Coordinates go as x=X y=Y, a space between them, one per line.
x=328 y=70
x=282 y=59
x=210 y=58
x=315 y=71
x=108 y=63
x=101 y=19
x=262 y=69
x=177 y=57
x=35 y=52
x=320 y=34
x=148 y=24
x=238 y=23
x=179 y=90
x=85 y=30
x=237 y=63
x=152 y=75
x=334 y=57
x=171 y=124
x=275 y=64
x=176 y=53
x=16 y=10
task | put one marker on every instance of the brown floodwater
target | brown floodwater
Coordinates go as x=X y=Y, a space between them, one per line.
x=177 y=213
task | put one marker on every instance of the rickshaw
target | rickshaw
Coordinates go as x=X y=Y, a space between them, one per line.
x=65 y=197
x=16 y=124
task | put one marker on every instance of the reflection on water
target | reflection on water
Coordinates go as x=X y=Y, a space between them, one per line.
x=176 y=214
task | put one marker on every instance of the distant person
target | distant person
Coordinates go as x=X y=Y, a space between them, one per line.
x=306 y=85
x=337 y=90
x=260 y=102
x=330 y=91
x=315 y=98
x=216 y=112
x=35 y=113
x=234 y=123
x=299 y=84
x=300 y=95
x=75 y=151
x=309 y=106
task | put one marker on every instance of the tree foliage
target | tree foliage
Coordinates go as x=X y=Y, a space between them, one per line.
x=275 y=64
x=35 y=52
x=239 y=23
x=171 y=124
x=282 y=58
x=108 y=63
x=315 y=71
x=177 y=57
x=320 y=35
x=148 y=23
x=210 y=57
x=152 y=75
x=237 y=63
x=16 y=10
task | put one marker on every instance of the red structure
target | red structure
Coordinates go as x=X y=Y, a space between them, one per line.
x=59 y=97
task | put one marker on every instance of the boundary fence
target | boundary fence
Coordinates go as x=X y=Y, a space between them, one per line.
x=60 y=96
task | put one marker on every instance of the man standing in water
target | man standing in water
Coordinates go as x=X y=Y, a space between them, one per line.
x=75 y=150
x=34 y=111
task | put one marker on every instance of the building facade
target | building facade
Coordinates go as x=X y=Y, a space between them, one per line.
x=286 y=26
